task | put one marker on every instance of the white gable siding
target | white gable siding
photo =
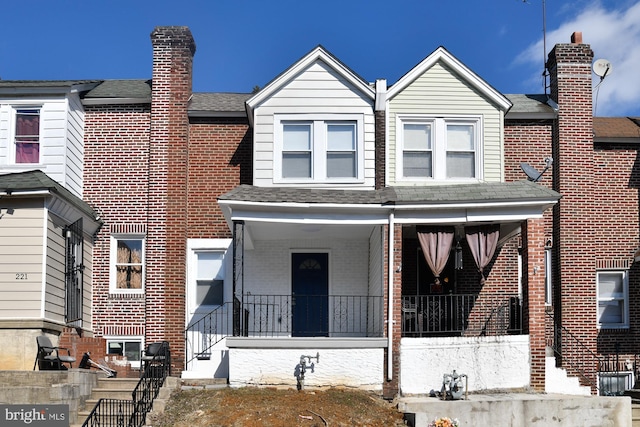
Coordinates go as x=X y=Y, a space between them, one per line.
x=21 y=259
x=440 y=92
x=316 y=90
x=61 y=139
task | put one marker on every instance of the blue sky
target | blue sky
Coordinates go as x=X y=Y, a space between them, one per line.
x=246 y=43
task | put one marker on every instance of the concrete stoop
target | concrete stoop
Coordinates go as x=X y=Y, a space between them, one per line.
x=635 y=415
x=557 y=381
x=521 y=410
x=122 y=388
x=71 y=387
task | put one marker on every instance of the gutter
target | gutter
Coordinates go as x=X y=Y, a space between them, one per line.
x=390 y=302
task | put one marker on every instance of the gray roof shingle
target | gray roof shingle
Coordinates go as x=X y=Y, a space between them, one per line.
x=518 y=191
x=529 y=104
x=37 y=180
x=140 y=89
x=219 y=102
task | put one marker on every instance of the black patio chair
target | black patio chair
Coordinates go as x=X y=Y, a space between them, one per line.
x=49 y=357
x=156 y=354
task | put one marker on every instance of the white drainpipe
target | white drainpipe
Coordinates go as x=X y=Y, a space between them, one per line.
x=390 y=308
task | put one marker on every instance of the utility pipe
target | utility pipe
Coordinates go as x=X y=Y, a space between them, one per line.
x=390 y=268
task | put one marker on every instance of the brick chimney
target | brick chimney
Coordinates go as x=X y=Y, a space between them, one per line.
x=173 y=50
x=569 y=67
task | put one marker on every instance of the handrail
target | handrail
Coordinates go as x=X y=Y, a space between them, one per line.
x=209 y=329
x=580 y=357
x=114 y=412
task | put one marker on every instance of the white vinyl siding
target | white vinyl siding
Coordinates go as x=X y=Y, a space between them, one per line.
x=440 y=92
x=54 y=271
x=318 y=90
x=61 y=138
x=21 y=259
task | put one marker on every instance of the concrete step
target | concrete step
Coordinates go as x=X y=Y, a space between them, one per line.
x=118 y=383
x=635 y=415
x=111 y=393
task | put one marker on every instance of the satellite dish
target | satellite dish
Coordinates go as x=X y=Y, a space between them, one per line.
x=532 y=173
x=602 y=68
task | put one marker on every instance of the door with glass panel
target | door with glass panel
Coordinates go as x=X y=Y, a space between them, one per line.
x=310 y=294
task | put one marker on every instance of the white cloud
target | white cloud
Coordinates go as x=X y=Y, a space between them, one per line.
x=614 y=34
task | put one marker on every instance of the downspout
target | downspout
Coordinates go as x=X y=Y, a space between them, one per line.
x=390 y=307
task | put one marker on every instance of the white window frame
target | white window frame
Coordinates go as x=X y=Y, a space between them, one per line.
x=439 y=146
x=624 y=297
x=113 y=256
x=12 y=134
x=319 y=149
x=195 y=246
x=126 y=338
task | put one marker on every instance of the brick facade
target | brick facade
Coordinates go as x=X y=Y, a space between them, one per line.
x=152 y=170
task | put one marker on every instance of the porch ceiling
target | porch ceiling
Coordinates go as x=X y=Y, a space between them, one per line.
x=289 y=231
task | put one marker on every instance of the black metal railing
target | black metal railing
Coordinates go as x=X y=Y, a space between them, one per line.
x=133 y=413
x=110 y=412
x=461 y=314
x=576 y=354
x=313 y=315
x=206 y=330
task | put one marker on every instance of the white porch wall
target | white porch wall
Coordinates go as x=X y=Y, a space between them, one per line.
x=267 y=268
x=356 y=367
x=497 y=362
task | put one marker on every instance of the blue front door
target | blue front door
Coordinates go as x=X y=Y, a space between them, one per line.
x=310 y=294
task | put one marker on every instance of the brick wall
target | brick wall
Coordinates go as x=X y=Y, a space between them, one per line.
x=220 y=159
x=390 y=387
x=173 y=50
x=574 y=235
x=115 y=183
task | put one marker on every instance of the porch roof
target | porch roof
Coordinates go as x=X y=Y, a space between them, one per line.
x=38 y=184
x=485 y=192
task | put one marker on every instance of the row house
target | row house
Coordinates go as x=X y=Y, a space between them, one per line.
x=326 y=229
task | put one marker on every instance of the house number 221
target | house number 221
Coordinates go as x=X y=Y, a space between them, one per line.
x=21 y=276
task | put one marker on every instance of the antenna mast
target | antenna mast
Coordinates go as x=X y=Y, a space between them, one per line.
x=545 y=73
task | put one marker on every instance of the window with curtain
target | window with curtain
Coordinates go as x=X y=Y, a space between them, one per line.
x=317 y=149
x=613 y=299
x=438 y=148
x=127 y=264
x=27 y=135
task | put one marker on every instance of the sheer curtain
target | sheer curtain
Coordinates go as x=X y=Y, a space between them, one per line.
x=436 y=245
x=482 y=242
x=27 y=136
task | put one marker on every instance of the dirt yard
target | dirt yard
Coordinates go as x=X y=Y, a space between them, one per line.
x=257 y=407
